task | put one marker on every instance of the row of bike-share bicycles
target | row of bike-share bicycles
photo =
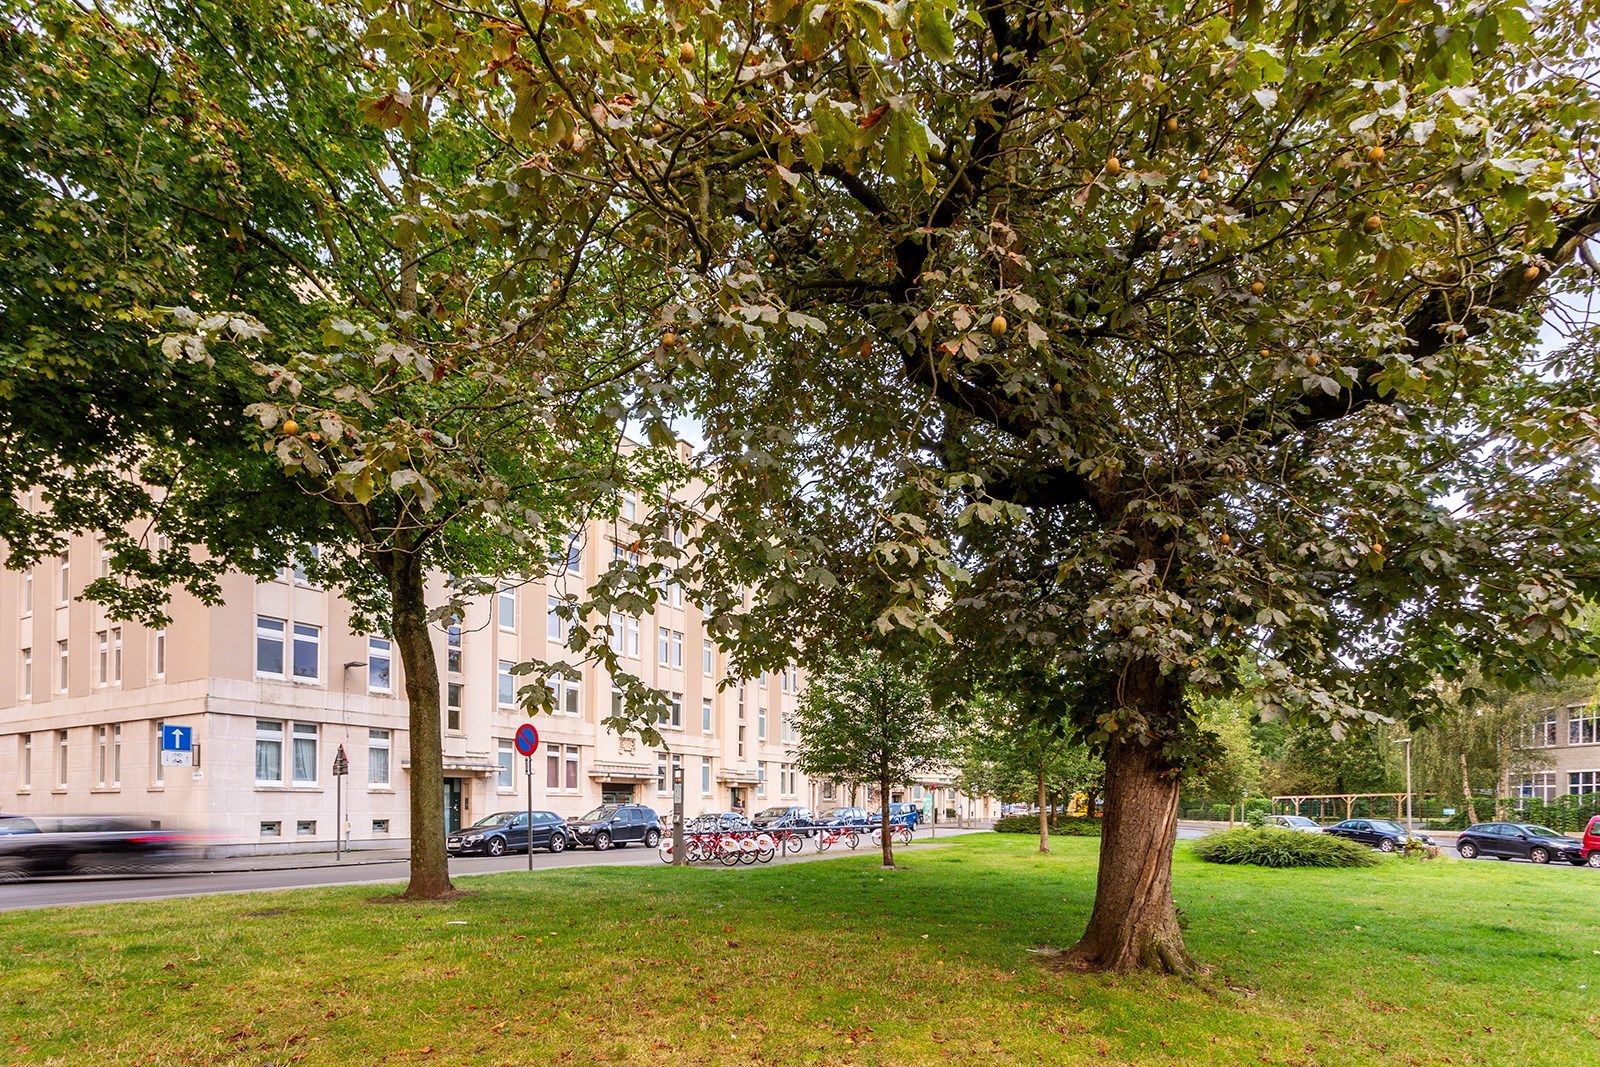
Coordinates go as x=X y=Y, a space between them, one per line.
x=730 y=847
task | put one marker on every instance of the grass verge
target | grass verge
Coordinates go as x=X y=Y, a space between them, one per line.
x=834 y=962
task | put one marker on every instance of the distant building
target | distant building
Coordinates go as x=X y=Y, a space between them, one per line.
x=1568 y=740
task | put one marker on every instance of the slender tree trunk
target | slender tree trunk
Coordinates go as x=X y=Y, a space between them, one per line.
x=430 y=870
x=1466 y=790
x=1044 y=817
x=1090 y=796
x=1134 y=924
x=883 y=821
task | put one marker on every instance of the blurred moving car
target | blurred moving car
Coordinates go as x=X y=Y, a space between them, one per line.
x=1591 y=842
x=618 y=824
x=1381 y=834
x=783 y=817
x=847 y=816
x=1298 y=823
x=1519 y=840
x=508 y=831
x=713 y=822
x=34 y=846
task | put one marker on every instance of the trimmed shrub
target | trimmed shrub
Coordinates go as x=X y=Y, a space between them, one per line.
x=1271 y=847
x=1256 y=817
x=1029 y=824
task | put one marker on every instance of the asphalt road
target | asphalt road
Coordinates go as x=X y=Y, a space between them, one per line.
x=52 y=892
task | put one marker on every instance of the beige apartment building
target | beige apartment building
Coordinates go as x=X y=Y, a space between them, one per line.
x=273 y=683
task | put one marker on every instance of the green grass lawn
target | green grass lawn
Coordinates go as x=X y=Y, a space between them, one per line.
x=832 y=962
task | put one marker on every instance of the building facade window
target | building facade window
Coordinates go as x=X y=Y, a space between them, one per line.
x=116 y=655
x=452 y=647
x=706 y=716
x=61 y=759
x=761 y=778
x=663 y=645
x=1536 y=787
x=761 y=724
x=708 y=657
x=380 y=826
x=307 y=652
x=786 y=728
x=705 y=775
x=102 y=657
x=269 y=752
x=63 y=581
x=566 y=694
x=25 y=674
x=25 y=761
x=160 y=643
x=555 y=627
x=829 y=791
x=505 y=685
x=503 y=765
x=506 y=608
x=63 y=675
x=158 y=771
x=1582 y=783
x=452 y=706
x=116 y=754
x=269 y=646
x=1583 y=726
x=662 y=784
x=305 y=827
x=305 y=753
x=272 y=829
x=1541 y=734
x=378 y=750
x=27 y=593
x=552 y=768
x=675 y=710
x=102 y=755
x=624 y=635
x=380 y=661
x=572 y=766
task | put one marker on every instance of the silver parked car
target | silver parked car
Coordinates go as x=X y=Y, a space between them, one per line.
x=1298 y=823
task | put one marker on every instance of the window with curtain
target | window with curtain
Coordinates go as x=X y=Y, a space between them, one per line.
x=378 y=748
x=305 y=753
x=269 y=752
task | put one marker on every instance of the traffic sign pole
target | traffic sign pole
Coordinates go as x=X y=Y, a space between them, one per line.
x=527 y=742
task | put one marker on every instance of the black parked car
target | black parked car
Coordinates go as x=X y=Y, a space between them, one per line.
x=87 y=844
x=618 y=824
x=507 y=831
x=714 y=822
x=785 y=817
x=1519 y=840
x=1381 y=834
x=837 y=817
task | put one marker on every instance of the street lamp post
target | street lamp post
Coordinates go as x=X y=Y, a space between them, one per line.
x=1406 y=741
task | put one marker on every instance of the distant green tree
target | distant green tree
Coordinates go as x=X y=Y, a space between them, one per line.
x=1234 y=770
x=869 y=717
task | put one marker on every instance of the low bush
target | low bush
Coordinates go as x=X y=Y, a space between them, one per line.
x=1029 y=824
x=1272 y=847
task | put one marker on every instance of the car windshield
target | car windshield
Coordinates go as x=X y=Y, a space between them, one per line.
x=1384 y=824
x=1297 y=820
x=835 y=813
x=497 y=819
x=1542 y=831
x=604 y=811
x=772 y=813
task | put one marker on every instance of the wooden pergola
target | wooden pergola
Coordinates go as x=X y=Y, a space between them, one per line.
x=1349 y=799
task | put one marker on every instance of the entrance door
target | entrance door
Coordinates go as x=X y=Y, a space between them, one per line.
x=736 y=798
x=615 y=793
x=452 y=805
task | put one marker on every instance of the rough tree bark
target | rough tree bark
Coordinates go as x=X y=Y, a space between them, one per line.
x=1134 y=924
x=1466 y=790
x=883 y=821
x=1044 y=816
x=430 y=869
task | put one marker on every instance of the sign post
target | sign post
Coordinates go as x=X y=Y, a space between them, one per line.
x=527 y=742
x=678 y=856
x=341 y=767
x=177 y=745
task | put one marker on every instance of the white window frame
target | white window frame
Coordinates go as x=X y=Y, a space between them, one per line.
x=299 y=732
x=380 y=649
x=64 y=574
x=1539 y=785
x=505 y=766
x=63 y=756
x=1543 y=734
x=1583 y=783
x=663 y=646
x=677 y=649
x=116 y=655
x=380 y=741
x=1583 y=726
x=453 y=653
x=270 y=732
x=27 y=593
x=705 y=776
x=281 y=636
x=453 y=701
x=505 y=602
x=159 y=651
x=102 y=657
x=25 y=673
x=312 y=636
x=502 y=678
x=708 y=716
x=25 y=762
x=63 y=665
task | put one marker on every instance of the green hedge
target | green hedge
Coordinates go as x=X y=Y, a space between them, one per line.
x=1272 y=847
x=1029 y=824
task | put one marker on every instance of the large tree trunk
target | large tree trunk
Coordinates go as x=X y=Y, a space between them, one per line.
x=1044 y=817
x=1134 y=925
x=430 y=869
x=1466 y=790
x=883 y=822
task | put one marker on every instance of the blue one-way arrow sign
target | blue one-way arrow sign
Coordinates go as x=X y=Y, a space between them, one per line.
x=177 y=746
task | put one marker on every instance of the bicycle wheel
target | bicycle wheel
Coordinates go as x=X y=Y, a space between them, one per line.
x=665 y=851
x=793 y=843
x=765 y=855
x=852 y=839
x=728 y=854
x=747 y=856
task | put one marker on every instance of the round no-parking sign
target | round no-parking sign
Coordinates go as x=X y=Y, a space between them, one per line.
x=527 y=739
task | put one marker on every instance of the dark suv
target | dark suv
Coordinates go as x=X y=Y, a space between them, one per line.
x=1518 y=840
x=618 y=824
x=848 y=816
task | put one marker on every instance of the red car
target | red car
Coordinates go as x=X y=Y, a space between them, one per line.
x=1591 y=842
